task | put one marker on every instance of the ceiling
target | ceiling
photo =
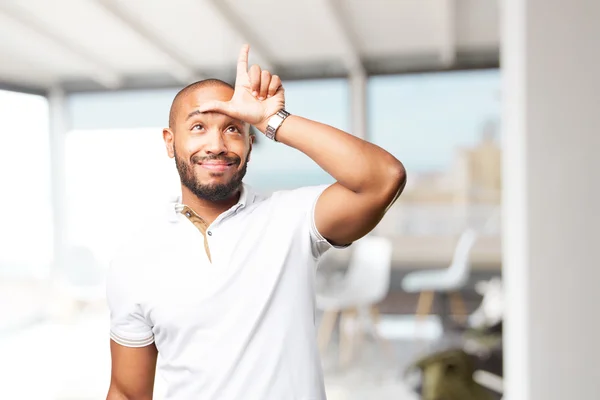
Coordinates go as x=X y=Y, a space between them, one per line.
x=86 y=45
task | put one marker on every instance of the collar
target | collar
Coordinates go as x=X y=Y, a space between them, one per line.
x=247 y=197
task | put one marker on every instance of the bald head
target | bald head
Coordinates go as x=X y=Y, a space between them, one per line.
x=176 y=105
x=203 y=136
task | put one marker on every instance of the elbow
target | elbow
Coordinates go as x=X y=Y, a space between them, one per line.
x=395 y=181
x=398 y=174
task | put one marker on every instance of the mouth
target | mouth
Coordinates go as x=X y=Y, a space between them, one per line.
x=216 y=166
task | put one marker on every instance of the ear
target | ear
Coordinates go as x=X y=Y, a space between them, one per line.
x=250 y=143
x=169 y=138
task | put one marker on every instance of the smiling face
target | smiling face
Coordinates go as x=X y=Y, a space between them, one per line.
x=211 y=150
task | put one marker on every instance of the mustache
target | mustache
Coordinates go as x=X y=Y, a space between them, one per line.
x=233 y=159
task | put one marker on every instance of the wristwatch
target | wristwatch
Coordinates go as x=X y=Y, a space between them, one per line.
x=275 y=122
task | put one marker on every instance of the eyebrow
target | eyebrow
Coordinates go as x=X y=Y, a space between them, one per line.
x=193 y=114
x=198 y=112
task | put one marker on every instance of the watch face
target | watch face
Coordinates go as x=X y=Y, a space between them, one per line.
x=275 y=121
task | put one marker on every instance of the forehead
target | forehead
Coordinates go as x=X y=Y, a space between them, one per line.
x=195 y=97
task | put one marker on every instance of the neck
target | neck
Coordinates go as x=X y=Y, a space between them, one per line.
x=208 y=210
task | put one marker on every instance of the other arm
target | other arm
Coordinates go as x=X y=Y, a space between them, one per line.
x=133 y=371
x=132 y=348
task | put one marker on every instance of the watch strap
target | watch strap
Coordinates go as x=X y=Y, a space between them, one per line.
x=275 y=122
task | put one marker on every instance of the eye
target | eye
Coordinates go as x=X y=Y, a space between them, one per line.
x=197 y=127
x=232 y=129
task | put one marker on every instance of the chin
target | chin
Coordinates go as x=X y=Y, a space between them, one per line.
x=215 y=179
x=217 y=174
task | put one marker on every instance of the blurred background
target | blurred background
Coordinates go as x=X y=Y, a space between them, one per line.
x=85 y=89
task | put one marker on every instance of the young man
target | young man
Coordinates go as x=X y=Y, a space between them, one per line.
x=222 y=287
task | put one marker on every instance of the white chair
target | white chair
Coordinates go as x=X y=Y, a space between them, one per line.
x=365 y=284
x=446 y=281
x=491 y=310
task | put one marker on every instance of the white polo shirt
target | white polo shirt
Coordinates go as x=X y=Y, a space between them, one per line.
x=233 y=319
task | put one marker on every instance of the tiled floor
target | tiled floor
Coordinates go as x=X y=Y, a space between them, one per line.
x=69 y=360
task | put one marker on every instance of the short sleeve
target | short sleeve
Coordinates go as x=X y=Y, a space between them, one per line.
x=305 y=200
x=318 y=243
x=128 y=325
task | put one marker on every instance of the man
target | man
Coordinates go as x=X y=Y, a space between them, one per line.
x=223 y=287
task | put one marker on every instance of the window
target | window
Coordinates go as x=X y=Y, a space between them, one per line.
x=115 y=179
x=444 y=127
x=422 y=119
x=26 y=207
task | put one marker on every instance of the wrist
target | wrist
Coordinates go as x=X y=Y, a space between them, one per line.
x=271 y=125
x=262 y=125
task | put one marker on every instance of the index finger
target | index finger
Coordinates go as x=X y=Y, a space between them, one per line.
x=242 y=64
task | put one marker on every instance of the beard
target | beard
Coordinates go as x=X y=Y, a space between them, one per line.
x=210 y=192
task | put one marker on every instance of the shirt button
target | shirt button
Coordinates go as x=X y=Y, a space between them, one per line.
x=209 y=233
x=188 y=214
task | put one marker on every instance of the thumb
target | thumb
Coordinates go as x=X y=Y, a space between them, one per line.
x=222 y=107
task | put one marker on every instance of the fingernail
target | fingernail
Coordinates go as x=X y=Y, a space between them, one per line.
x=261 y=98
x=268 y=96
x=254 y=94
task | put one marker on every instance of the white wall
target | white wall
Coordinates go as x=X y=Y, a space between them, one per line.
x=551 y=89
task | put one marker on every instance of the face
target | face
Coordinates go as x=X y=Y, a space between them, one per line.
x=211 y=150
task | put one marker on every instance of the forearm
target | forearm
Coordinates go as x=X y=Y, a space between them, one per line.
x=356 y=164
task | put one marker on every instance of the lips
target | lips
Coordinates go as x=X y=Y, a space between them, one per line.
x=216 y=166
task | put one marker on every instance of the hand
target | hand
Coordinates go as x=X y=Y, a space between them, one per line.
x=258 y=95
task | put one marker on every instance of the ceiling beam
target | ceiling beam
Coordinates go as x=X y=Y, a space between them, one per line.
x=351 y=55
x=180 y=68
x=448 y=33
x=99 y=70
x=28 y=89
x=243 y=30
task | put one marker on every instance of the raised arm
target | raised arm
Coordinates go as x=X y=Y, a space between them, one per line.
x=133 y=371
x=369 y=179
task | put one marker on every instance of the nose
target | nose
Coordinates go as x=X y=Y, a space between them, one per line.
x=215 y=143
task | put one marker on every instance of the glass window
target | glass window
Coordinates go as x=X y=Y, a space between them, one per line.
x=115 y=179
x=26 y=208
x=422 y=119
x=444 y=127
